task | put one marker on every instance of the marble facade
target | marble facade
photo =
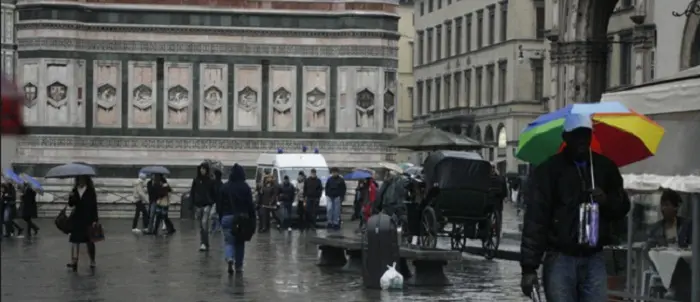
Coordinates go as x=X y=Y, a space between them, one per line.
x=282 y=96
x=316 y=115
x=55 y=91
x=213 y=92
x=177 y=90
x=366 y=99
x=107 y=94
x=247 y=110
x=172 y=95
x=142 y=94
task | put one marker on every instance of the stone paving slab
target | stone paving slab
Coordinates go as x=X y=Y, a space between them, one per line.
x=280 y=266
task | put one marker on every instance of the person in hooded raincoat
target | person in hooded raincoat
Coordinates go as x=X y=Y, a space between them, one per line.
x=237 y=213
x=391 y=196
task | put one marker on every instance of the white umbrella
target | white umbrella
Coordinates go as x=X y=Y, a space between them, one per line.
x=70 y=170
x=391 y=166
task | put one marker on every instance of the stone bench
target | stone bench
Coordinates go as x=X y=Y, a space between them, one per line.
x=429 y=265
x=335 y=247
x=344 y=251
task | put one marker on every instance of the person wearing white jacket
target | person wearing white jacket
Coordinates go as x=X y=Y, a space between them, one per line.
x=141 y=199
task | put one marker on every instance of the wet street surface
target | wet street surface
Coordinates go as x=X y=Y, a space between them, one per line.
x=278 y=265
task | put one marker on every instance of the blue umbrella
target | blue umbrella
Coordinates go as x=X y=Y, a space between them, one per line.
x=12 y=176
x=357 y=174
x=155 y=170
x=33 y=183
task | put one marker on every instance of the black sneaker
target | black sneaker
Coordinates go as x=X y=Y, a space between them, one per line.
x=229 y=265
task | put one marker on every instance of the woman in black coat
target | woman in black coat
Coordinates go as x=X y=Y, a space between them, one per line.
x=83 y=199
x=29 y=209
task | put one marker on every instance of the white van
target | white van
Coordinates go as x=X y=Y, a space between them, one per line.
x=290 y=164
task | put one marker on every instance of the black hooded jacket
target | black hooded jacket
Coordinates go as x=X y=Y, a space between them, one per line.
x=216 y=186
x=236 y=197
x=555 y=191
x=202 y=191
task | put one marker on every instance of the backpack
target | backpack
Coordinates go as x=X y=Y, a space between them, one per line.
x=243 y=225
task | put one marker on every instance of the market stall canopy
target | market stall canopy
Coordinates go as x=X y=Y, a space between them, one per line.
x=673 y=103
x=435 y=139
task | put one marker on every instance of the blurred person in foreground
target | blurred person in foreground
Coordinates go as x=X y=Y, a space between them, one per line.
x=572 y=271
x=237 y=213
x=11 y=120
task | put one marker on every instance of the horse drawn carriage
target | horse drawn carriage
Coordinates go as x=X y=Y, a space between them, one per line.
x=454 y=197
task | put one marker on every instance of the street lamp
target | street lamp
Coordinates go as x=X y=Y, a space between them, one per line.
x=692 y=9
x=538 y=53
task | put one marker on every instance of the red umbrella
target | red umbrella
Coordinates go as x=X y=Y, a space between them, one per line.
x=11 y=120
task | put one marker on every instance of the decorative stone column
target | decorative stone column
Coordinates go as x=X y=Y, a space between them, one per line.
x=583 y=62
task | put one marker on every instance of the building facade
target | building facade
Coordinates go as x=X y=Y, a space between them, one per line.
x=606 y=45
x=7 y=37
x=405 y=73
x=123 y=85
x=479 y=71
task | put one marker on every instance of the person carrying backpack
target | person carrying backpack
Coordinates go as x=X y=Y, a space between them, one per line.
x=237 y=213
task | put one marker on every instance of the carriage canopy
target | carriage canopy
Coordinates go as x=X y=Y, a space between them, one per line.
x=457 y=169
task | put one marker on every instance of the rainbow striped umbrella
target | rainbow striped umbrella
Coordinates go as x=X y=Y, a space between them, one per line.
x=619 y=133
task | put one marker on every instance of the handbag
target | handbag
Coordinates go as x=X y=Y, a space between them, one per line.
x=97 y=233
x=62 y=221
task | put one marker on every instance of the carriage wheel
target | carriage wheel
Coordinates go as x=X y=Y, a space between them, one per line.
x=458 y=239
x=493 y=239
x=428 y=230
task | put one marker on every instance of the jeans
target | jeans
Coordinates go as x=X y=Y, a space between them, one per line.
x=162 y=216
x=333 y=210
x=575 y=279
x=234 y=250
x=8 y=219
x=152 y=213
x=286 y=210
x=142 y=213
x=203 y=214
x=214 y=218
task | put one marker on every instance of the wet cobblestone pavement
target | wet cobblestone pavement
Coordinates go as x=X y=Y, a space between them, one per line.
x=278 y=266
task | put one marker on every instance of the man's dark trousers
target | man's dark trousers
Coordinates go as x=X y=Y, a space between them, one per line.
x=311 y=211
x=142 y=212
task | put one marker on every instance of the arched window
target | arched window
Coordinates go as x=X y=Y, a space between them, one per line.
x=502 y=139
x=489 y=136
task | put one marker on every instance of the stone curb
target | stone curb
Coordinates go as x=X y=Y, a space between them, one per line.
x=500 y=254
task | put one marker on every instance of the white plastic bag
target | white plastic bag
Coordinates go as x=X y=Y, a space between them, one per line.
x=391 y=279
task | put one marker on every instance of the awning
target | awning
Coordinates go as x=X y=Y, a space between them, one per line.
x=673 y=103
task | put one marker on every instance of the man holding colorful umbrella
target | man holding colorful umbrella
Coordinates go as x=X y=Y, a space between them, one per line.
x=577 y=151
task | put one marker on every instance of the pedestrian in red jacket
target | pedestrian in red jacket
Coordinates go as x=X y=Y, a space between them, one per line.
x=371 y=198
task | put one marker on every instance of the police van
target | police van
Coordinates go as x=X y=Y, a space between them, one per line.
x=290 y=164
